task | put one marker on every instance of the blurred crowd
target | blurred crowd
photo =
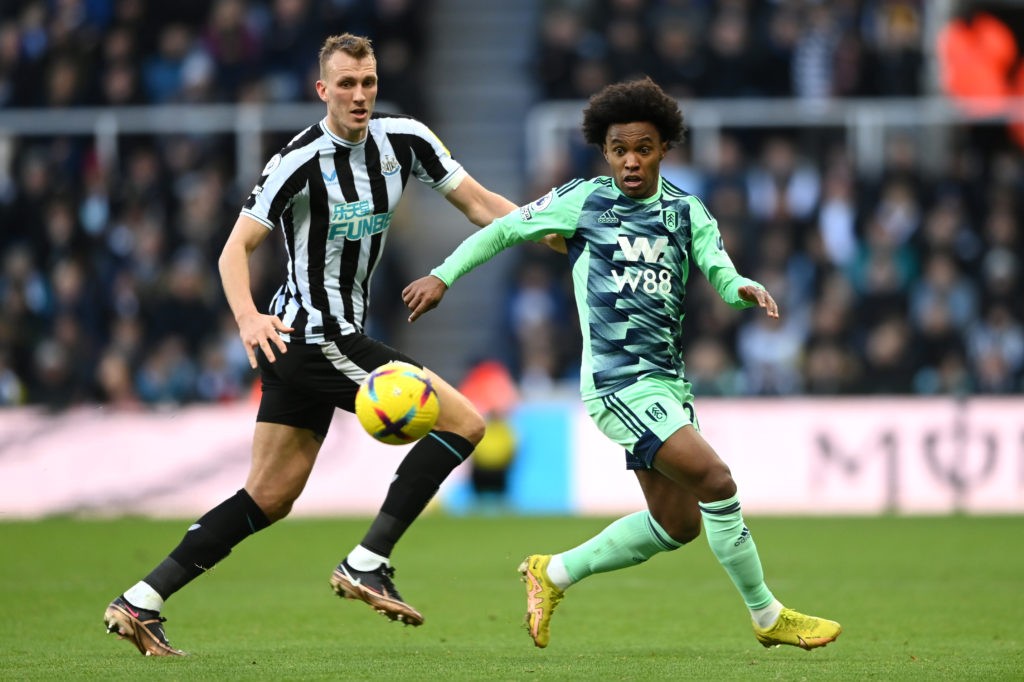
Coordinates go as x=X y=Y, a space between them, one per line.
x=65 y=53
x=903 y=281
x=733 y=48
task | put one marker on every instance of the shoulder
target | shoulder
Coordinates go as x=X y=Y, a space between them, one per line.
x=683 y=199
x=298 y=151
x=671 y=191
x=398 y=123
x=307 y=141
x=572 y=193
x=579 y=187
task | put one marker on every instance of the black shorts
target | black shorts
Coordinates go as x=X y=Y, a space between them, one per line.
x=304 y=386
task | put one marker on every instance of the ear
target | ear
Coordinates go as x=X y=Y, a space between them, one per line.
x=604 y=153
x=321 y=90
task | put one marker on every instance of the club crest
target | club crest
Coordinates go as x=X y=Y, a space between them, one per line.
x=670 y=219
x=389 y=165
x=656 y=412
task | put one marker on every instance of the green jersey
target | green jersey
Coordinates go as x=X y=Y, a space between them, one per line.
x=630 y=262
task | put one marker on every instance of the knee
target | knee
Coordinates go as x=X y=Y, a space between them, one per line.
x=273 y=503
x=475 y=428
x=466 y=422
x=681 y=529
x=278 y=511
x=718 y=484
x=681 y=520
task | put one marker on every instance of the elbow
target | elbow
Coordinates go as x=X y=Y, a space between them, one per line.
x=228 y=255
x=480 y=217
x=222 y=261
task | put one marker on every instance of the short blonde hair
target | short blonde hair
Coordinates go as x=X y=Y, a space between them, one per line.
x=358 y=47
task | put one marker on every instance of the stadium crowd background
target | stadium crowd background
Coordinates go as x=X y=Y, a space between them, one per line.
x=902 y=281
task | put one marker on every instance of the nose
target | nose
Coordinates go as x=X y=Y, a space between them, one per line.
x=632 y=161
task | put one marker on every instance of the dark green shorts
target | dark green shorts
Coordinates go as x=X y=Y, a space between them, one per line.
x=641 y=416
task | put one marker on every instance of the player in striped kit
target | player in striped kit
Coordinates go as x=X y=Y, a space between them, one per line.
x=331 y=193
x=632 y=241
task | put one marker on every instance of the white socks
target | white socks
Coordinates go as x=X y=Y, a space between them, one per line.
x=767 y=616
x=363 y=559
x=142 y=596
x=557 y=572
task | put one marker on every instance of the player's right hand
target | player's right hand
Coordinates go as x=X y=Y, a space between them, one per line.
x=259 y=330
x=422 y=295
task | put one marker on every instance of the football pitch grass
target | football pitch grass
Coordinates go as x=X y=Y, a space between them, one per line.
x=919 y=599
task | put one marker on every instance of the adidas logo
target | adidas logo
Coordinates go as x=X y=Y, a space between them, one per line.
x=743 y=537
x=608 y=218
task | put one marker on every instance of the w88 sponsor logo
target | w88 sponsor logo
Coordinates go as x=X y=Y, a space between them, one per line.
x=647 y=280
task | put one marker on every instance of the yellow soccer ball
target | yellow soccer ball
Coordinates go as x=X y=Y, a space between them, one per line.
x=397 y=404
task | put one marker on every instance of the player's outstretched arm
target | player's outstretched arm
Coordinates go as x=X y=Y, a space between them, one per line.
x=423 y=295
x=761 y=297
x=480 y=205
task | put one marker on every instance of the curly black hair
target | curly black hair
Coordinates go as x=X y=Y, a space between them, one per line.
x=632 y=102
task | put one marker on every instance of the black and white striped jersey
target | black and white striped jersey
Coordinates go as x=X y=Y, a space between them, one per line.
x=333 y=201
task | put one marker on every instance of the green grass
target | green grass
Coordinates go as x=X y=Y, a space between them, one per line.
x=919 y=599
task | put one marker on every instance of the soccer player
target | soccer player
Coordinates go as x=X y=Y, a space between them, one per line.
x=632 y=240
x=331 y=193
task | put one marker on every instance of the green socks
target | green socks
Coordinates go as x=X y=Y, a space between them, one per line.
x=734 y=547
x=625 y=542
x=636 y=538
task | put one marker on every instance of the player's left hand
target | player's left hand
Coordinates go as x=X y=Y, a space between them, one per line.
x=761 y=297
x=423 y=295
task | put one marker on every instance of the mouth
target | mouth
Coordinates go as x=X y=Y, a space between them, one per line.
x=632 y=181
x=360 y=113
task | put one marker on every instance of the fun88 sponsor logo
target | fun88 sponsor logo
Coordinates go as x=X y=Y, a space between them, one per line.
x=354 y=221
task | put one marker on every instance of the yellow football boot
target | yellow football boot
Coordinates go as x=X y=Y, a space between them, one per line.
x=542 y=596
x=796 y=629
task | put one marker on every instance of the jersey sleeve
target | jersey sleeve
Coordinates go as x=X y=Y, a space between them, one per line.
x=552 y=213
x=708 y=252
x=279 y=182
x=434 y=165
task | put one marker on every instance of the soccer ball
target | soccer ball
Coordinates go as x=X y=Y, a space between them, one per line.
x=397 y=403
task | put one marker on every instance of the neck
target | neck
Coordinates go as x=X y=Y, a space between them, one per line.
x=346 y=134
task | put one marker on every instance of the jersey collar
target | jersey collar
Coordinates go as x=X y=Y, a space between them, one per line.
x=338 y=140
x=649 y=200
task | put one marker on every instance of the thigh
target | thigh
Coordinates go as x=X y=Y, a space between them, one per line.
x=458 y=414
x=282 y=459
x=686 y=458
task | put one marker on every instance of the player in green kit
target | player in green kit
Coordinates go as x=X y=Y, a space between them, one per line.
x=632 y=239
